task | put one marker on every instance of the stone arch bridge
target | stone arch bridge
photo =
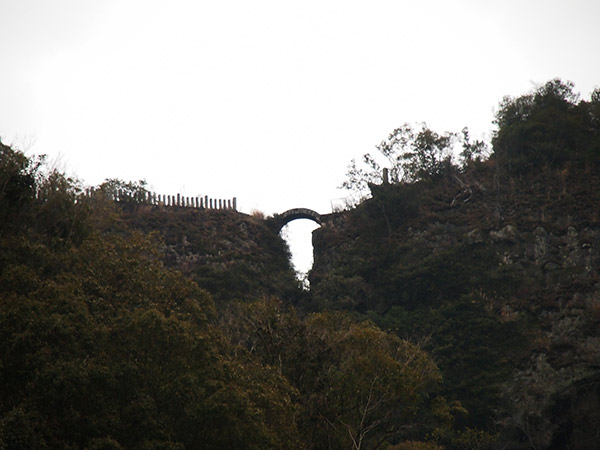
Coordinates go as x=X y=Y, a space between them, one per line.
x=280 y=220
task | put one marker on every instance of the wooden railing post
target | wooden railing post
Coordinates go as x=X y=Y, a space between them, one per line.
x=154 y=199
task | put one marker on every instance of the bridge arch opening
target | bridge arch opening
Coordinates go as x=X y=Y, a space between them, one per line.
x=280 y=220
x=298 y=235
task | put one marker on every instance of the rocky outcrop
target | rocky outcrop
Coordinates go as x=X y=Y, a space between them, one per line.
x=521 y=257
x=232 y=255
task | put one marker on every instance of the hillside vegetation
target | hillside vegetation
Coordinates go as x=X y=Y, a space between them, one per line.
x=130 y=326
x=456 y=307
x=491 y=264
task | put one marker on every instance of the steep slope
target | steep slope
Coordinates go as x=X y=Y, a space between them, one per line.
x=102 y=346
x=232 y=255
x=495 y=272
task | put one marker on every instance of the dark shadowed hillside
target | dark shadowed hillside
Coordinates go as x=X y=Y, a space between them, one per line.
x=232 y=255
x=494 y=267
x=457 y=307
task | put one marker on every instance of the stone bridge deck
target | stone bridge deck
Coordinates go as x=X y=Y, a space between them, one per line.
x=281 y=220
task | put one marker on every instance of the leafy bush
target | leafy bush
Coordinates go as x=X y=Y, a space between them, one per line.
x=357 y=385
x=409 y=155
x=548 y=126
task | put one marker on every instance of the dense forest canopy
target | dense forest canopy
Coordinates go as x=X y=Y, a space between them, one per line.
x=436 y=306
x=103 y=346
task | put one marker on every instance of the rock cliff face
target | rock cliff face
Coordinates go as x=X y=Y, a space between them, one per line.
x=558 y=378
x=232 y=255
x=502 y=286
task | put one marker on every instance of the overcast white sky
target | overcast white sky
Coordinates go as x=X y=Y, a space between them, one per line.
x=268 y=101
